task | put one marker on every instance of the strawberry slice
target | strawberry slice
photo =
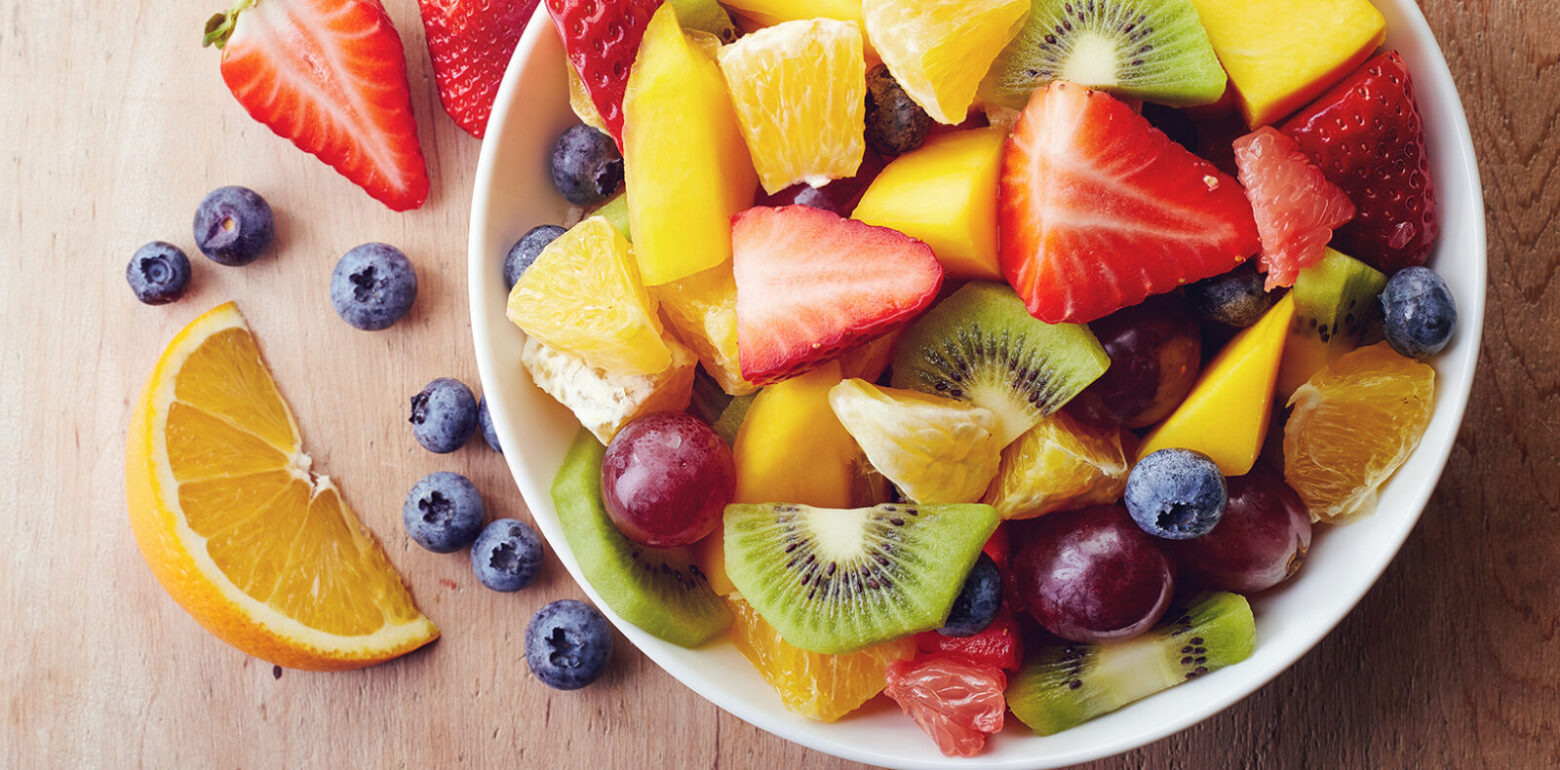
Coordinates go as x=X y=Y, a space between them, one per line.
x=470 y=42
x=331 y=76
x=811 y=285
x=1098 y=209
x=602 y=38
x=1297 y=209
x=1368 y=138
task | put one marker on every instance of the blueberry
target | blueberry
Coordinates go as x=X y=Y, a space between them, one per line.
x=485 y=424
x=506 y=555
x=567 y=644
x=444 y=415
x=373 y=286
x=977 y=602
x=1417 y=312
x=1176 y=494
x=586 y=166
x=158 y=273
x=443 y=512
x=234 y=225
x=526 y=250
x=895 y=123
x=1234 y=299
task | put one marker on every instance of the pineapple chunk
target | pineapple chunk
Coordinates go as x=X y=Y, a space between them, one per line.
x=603 y=401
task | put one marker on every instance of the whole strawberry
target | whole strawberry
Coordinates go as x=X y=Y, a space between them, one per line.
x=470 y=42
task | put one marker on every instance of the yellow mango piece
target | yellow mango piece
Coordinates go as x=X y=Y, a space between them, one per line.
x=1281 y=54
x=1226 y=414
x=944 y=193
x=702 y=311
x=684 y=159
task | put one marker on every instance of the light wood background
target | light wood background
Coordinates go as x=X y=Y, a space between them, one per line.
x=114 y=123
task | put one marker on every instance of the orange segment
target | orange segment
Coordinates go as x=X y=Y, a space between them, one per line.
x=939 y=50
x=1058 y=465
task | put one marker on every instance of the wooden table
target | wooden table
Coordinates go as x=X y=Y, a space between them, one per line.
x=115 y=123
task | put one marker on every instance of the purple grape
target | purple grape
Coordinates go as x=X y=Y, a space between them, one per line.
x=1260 y=542
x=666 y=479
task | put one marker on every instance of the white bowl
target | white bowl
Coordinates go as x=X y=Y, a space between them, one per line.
x=513 y=193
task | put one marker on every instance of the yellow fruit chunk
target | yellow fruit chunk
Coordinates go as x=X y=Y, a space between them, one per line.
x=1059 y=465
x=770 y=12
x=1353 y=424
x=869 y=360
x=939 y=50
x=701 y=310
x=579 y=100
x=583 y=296
x=605 y=401
x=239 y=530
x=1281 y=54
x=944 y=193
x=1226 y=414
x=684 y=160
x=813 y=684
x=936 y=449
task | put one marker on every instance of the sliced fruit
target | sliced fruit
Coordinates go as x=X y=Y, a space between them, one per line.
x=1062 y=687
x=706 y=16
x=1281 y=53
x=470 y=44
x=1335 y=304
x=701 y=310
x=1226 y=415
x=583 y=296
x=935 y=449
x=939 y=49
x=869 y=360
x=811 y=285
x=605 y=401
x=615 y=210
x=1001 y=645
x=1296 y=208
x=580 y=102
x=686 y=166
x=1353 y=424
x=1058 y=465
x=979 y=345
x=1098 y=209
x=839 y=580
x=659 y=590
x=602 y=41
x=944 y=193
x=956 y=702
x=799 y=90
x=770 y=12
x=260 y=550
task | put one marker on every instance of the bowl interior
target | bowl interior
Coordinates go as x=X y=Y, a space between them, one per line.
x=513 y=193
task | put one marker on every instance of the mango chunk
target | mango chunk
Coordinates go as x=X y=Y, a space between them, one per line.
x=702 y=311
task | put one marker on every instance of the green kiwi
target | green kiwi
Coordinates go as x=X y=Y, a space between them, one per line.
x=707 y=16
x=980 y=345
x=835 y=581
x=731 y=417
x=661 y=591
x=1154 y=50
x=616 y=212
x=1064 y=686
x=1335 y=307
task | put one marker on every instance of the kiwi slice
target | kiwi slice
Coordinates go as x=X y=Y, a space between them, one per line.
x=1062 y=687
x=980 y=345
x=616 y=211
x=1154 y=50
x=837 y=580
x=1335 y=307
x=662 y=591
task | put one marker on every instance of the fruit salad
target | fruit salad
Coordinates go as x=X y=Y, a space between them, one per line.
x=986 y=355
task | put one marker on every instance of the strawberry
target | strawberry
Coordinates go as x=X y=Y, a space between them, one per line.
x=602 y=38
x=331 y=76
x=1097 y=209
x=1368 y=138
x=1000 y=645
x=470 y=42
x=1297 y=209
x=811 y=285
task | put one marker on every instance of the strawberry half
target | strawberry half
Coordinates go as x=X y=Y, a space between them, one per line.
x=602 y=38
x=811 y=285
x=1297 y=209
x=331 y=76
x=470 y=42
x=1097 y=209
x=1368 y=138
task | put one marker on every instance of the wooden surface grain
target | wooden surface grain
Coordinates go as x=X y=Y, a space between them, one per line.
x=114 y=123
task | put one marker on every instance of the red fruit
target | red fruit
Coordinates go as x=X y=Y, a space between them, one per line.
x=602 y=38
x=997 y=547
x=1000 y=645
x=955 y=701
x=1297 y=209
x=811 y=285
x=1098 y=209
x=470 y=42
x=1367 y=137
x=331 y=76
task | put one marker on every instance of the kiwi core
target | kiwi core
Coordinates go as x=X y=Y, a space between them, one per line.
x=1093 y=60
x=839 y=534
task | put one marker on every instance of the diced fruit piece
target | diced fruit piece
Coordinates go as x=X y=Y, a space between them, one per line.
x=583 y=296
x=945 y=194
x=567 y=644
x=1058 y=465
x=470 y=43
x=1062 y=687
x=1296 y=208
x=1352 y=425
x=813 y=684
x=1155 y=353
x=1281 y=53
x=1097 y=209
x=1092 y=575
x=701 y=310
x=935 y=449
x=979 y=345
x=580 y=101
x=1235 y=299
x=615 y=210
x=1156 y=51
x=1368 y=138
x=810 y=285
x=1176 y=494
x=939 y=49
x=660 y=591
x=999 y=645
x=956 y=702
x=1226 y=415
x=687 y=167
x=666 y=479
x=706 y=16
x=1335 y=303
x=602 y=41
x=605 y=401
x=895 y=123
x=1418 y=314
x=798 y=90
x=1260 y=542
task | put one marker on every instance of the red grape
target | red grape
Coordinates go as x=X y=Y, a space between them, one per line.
x=1259 y=543
x=1155 y=351
x=666 y=479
